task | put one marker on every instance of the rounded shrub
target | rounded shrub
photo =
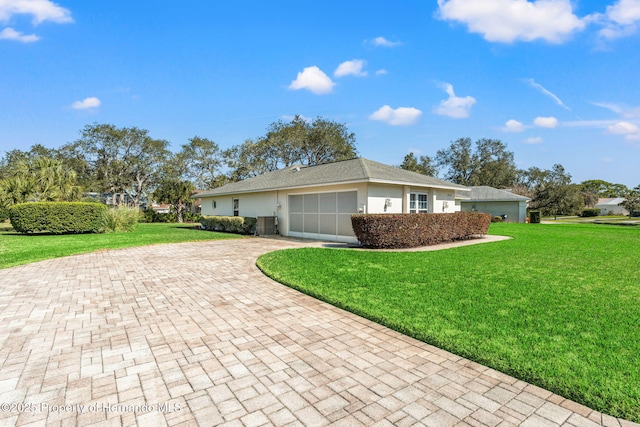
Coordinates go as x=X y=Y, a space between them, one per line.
x=534 y=217
x=57 y=217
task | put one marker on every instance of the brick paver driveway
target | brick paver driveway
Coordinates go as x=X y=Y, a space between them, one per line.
x=193 y=334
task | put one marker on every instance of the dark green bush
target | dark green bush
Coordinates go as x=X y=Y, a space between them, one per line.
x=4 y=214
x=590 y=212
x=149 y=215
x=412 y=230
x=58 y=217
x=229 y=224
x=534 y=217
x=189 y=216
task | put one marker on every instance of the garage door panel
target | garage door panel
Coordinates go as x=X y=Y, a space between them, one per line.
x=310 y=223
x=295 y=222
x=348 y=202
x=327 y=203
x=327 y=224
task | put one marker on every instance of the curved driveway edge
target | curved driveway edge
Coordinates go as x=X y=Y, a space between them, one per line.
x=194 y=334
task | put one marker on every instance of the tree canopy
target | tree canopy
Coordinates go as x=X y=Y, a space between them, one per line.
x=290 y=143
x=488 y=164
x=424 y=165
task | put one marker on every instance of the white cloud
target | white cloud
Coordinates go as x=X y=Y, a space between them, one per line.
x=11 y=34
x=507 y=21
x=513 y=126
x=351 y=68
x=454 y=106
x=621 y=19
x=546 y=122
x=41 y=10
x=533 y=140
x=382 y=42
x=402 y=116
x=629 y=130
x=86 y=103
x=313 y=79
x=550 y=94
x=381 y=72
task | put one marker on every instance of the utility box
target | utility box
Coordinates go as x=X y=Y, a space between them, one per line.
x=266 y=225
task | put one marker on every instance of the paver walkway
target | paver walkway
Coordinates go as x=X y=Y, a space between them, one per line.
x=193 y=334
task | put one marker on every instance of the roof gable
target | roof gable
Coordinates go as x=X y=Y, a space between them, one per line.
x=355 y=170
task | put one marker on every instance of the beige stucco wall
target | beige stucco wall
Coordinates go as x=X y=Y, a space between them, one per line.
x=379 y=194
x=250 y=204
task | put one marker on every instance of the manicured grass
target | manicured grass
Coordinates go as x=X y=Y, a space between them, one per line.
x=557 y=306
x=16 y=249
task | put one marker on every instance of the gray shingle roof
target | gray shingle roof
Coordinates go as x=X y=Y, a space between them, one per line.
x=347 y=171
x=485 y=193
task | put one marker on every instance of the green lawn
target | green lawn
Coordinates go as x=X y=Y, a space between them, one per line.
x=557 y=306
x=16 y=249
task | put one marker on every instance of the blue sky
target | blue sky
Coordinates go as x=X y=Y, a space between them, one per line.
x=557 y=81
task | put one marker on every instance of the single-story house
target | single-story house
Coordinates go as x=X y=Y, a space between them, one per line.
x=317 y=201
x=611 y=206
x=512 y=207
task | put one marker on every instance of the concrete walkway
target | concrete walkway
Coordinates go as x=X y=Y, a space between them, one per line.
x=194 y=335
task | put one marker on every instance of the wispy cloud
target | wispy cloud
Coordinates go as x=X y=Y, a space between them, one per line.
x=508 y=21
x=11 y=34
x=314 y=80
x=533 y=140
x=381 y=72
x=623 y=111
x=401 y=116
x=383 y=42
x=351 y=68
x=87 y=103
x=454 y=106
x=547 y=92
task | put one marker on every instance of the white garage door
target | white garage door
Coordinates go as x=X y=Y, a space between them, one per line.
x=323 y=216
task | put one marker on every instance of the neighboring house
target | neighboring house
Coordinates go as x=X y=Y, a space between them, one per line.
x=317 y=201
x=611 y=206
x=161 y=208
x=497 y=203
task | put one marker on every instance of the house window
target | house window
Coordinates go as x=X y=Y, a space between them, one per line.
x=236 y=207
x=418 y=203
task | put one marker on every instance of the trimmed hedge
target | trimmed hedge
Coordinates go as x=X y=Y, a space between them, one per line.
x=58 y=217
x=413 y=230
x=229 y=224
x=590 y=212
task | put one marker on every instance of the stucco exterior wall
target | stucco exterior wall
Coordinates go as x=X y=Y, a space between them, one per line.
x=250 y=204
x=444 y=202
x=516 y=211
x=384 y=198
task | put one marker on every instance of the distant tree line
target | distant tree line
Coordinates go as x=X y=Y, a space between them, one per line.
x=131 y=166
x=488 y=162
